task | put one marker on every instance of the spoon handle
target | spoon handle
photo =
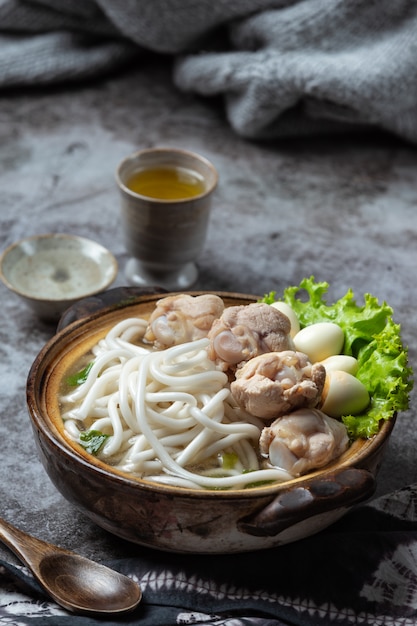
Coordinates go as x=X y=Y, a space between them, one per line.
x=27 y=548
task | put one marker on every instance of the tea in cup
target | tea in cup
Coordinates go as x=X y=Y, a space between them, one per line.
x=166 y=200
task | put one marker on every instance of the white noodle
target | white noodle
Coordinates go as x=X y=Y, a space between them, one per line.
x=165 y=412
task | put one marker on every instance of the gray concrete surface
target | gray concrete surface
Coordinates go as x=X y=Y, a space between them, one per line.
x=340 y=208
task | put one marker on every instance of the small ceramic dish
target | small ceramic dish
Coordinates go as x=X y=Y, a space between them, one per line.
x=51 y=272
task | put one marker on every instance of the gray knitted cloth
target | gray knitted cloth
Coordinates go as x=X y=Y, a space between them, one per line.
x=283 y=67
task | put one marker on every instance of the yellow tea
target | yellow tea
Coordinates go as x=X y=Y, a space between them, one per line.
x=167 y=183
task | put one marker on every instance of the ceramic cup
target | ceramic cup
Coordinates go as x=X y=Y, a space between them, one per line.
x=165 y=206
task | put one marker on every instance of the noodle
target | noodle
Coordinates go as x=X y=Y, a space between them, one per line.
x=168 y=415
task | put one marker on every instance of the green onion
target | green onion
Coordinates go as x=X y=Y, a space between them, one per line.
x=79 y=377
x=93 y=440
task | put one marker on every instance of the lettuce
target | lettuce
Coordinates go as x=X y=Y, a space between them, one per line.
x=371 y=336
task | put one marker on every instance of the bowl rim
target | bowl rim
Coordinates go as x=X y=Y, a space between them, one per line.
x=113 y=266
x=354 y=457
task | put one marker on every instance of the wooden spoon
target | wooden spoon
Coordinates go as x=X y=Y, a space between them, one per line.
x=73 y=581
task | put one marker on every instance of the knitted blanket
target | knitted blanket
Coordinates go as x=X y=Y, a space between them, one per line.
x=283 y=67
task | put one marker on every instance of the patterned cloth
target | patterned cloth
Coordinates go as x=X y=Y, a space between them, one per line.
x=362 y=570
x=282 y=67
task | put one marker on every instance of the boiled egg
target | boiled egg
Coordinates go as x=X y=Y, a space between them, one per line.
x=343 y=394
x=319 y=341
x=285 y=308
x=342 y=362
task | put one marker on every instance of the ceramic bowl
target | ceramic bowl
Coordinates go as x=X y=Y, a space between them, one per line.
x=178 y=519
x=50 y=272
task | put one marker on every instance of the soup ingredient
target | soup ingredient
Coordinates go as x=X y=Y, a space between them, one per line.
x=287 y=310
x=343 y=394
x=168 y=415
x=341 y=362
x=276 y=383
x=243 y=332
x=181 y=318
x=306 y=439
x=79 y=377
x=93 y=440
x=372 y=337
x=320 y=340
x=167 y=183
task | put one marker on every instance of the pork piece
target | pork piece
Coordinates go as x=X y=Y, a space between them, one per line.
x=181 y=318
x=243 y=332
x=306 y=439
x=276 y=383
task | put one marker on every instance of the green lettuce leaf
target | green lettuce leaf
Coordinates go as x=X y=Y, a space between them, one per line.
x=371 y=336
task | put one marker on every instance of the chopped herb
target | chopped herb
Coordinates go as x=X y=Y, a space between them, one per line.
x=93 y=440
x=229 y=460
x=79 y=377
x=259 y=483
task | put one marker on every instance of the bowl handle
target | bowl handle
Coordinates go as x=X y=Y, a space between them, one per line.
x=341 y=488
x=111 y=297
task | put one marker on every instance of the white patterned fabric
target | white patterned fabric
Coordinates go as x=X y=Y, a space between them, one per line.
x=362 y=570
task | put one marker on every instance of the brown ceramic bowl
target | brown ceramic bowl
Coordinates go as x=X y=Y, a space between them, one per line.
x=175 y=518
